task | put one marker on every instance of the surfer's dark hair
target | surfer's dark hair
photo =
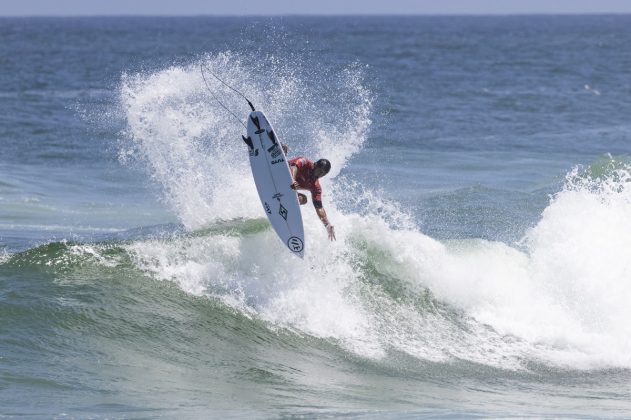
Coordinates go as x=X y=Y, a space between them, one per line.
x=324 y=164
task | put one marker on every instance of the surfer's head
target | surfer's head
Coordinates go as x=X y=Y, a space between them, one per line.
x=321 y=168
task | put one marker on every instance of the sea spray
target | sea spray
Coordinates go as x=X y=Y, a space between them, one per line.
x=177 y=133
x=192 y=147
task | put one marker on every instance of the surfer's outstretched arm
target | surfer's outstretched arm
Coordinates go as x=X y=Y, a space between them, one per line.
x=325 y=221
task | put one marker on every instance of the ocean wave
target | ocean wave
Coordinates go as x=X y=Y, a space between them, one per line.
x=557 y=298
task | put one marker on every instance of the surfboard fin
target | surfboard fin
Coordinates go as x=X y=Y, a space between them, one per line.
x=256 y=122
x=248 y=141
x=272 y=136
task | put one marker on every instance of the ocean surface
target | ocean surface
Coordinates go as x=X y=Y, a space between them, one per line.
x=480 y=191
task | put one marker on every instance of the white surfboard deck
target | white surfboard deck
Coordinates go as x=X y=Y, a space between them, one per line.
x=273 y=182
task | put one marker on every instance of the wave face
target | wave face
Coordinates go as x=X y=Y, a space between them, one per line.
x=558 y=299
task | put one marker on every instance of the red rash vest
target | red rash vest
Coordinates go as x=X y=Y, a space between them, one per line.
x=306 y=180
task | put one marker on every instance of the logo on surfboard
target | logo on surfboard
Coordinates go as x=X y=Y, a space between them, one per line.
x=283 y=212
x=274 y=151
x=295 y=244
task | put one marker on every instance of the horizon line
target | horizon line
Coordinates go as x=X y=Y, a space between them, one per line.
x=271 y=15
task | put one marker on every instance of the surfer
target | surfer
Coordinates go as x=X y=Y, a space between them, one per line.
x=305 y=174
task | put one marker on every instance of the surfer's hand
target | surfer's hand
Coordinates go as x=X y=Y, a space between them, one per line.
x=294 y=185
x=331 y=231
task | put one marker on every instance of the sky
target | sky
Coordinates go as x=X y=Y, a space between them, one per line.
x=306 y=7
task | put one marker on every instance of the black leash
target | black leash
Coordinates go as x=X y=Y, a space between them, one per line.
x=201 y=67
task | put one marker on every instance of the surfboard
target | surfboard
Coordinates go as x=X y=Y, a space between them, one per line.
x=273 y=182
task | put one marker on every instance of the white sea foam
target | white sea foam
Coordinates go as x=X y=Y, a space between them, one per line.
x=562 y=300
x=579 y=260
x=4 y=256
x=560 y=297
x=567 y=295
